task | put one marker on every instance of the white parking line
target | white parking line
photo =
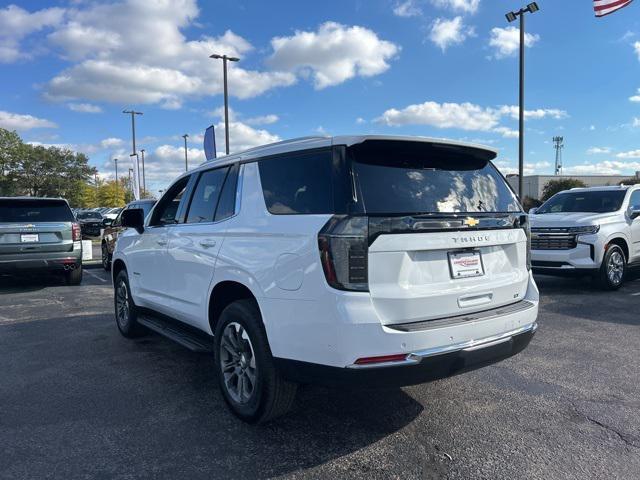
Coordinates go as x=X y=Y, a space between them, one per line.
x=90 y=273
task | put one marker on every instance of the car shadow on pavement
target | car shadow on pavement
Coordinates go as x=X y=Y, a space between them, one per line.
x=127 y=404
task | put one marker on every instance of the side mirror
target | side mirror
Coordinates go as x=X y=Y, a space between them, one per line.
x=133 y=218
x=634 y=212
x=107 y=222
x=533 y=210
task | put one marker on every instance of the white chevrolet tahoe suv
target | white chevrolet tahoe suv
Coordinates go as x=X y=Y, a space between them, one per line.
x=354 y=260
x=592 y=231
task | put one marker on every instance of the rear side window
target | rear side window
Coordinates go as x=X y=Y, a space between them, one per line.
x=298 y=183
x=395 y=177
x=205 y=197
x=227 y=204
x=32 y=211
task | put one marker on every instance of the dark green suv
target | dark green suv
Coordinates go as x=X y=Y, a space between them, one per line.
x=40 y=234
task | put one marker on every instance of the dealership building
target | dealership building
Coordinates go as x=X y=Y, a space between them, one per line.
x=533 y=185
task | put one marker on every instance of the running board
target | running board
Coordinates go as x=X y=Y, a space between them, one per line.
x=187 y=336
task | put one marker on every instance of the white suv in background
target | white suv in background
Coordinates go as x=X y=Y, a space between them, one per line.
x=588 y=231
x=370 y=260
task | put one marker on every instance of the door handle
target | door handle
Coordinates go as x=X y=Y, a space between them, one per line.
x=207 y=243
x=162 y=243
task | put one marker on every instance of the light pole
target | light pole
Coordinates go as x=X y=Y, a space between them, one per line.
x=115 y=160
x=226 y=95
x=133 y=114
x=144 y=181
x=186 y=159
x=511 y=16
x=95 y=178
x=130 y=186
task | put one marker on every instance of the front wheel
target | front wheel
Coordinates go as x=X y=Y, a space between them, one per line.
x=613 y=269
x=249 y=381
x=125 y=310
x=106 y=258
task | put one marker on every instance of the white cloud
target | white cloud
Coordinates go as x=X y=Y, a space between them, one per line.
x=630 y=154
x=360 y=121
x=17 y=23
x=111 y=142
x=262 y=120
x=464 y=116
x=333 y=54
x=463 y=6
x=508 y=168
x=636 y=47
x=506 y=41
x=136 y=52
x=407 y=8
x=536 y=114
x=608 y=167
x=84 y=108
x=598 y=150
x=636 y=122
x=445 y=33
x=21 y=122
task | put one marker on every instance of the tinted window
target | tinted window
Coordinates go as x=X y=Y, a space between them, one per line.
x=146 y=207
x=31 y=211
x=168 y=205
x=89 y=216
x=415 y=177
x=205 y=197
x=227 y=203
x=634 y=201
x=596 y=201
x=298 y=184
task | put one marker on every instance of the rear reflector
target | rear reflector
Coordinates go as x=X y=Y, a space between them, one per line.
x=382 y=359
x=76 y=234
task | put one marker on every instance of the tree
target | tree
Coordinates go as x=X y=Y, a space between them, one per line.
x=630 y=181
x=554 y=186
x=9 y=146
x=528 y=203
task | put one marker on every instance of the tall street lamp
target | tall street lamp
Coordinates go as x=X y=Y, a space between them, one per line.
x=133 y=114
x=144 y=181
x=130 y=185
x=226 y=95
x=186 y=160
x=115 y=160
x=136 y=167
x=511 y=17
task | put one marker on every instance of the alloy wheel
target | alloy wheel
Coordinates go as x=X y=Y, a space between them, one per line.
x=615 y=268
x=122 y=304
x=237 y=360
x=105 y=257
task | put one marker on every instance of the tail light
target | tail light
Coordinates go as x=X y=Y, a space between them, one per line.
x=526 y=226
x=344 y=247
x=75 y=232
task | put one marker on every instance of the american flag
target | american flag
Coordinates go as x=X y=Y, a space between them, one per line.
x=605 y=7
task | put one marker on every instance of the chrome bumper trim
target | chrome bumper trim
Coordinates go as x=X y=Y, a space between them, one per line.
x=468 y=346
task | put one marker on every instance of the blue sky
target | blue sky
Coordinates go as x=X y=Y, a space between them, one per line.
x=443 y=68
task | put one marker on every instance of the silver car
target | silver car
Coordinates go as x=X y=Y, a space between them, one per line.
x=40 y=234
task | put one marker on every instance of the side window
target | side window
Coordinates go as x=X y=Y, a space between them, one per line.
x=118 y=220
x=168 y=205
x=205 y=196
x=227 y=204
x=634 y=201
x=298 y=183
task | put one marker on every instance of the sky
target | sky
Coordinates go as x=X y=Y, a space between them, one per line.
x=438 y=68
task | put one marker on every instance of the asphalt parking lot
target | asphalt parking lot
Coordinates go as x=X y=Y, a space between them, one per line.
x=79 y=401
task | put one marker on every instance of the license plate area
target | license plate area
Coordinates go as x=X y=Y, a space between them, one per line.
x=465 y=264
x=29 y=238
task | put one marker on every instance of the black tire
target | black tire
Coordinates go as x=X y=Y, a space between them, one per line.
x=73 y=277
x=126 y=316
x=271 y=395
x=106 y=258
x=613 y=269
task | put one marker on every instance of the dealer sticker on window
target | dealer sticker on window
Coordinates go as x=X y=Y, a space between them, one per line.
x=465 y=264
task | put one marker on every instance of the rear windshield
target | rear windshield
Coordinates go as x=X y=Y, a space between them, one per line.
x=414 y=178
x=591 y=202
x=89 y=215
x=32 y=211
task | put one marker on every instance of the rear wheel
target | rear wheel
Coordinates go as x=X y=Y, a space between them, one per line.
x=125 y=310
x=250 y=384
x=613 y=268
x=106 y=258
x=73 y=277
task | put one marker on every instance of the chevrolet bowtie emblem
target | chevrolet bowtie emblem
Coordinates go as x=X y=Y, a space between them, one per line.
x=471 y=222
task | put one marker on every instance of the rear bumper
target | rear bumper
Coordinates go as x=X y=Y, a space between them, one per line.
x=58 y=263
x=420 y=366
